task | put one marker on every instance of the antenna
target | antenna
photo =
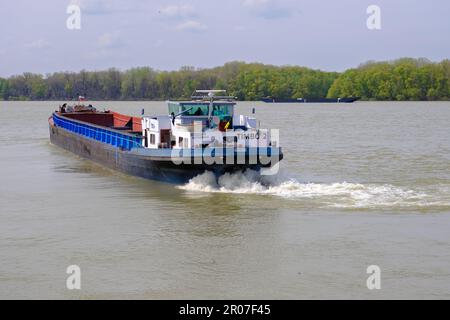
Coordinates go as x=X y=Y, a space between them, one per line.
x=210 y=92
x=210 y=95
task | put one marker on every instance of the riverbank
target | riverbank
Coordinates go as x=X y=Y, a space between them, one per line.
x=400 y=80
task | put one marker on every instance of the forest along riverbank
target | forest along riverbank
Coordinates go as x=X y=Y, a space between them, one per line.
x=404 y=79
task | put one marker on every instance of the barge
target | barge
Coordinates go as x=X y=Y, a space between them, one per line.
x=311 y=100
x=200 y=135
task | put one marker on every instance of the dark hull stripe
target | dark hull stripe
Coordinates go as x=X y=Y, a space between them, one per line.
x=162 y=168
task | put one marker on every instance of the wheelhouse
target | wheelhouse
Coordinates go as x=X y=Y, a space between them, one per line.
x=224 y=110
x=216 y=114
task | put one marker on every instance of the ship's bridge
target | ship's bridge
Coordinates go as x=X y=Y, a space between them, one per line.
x=223 y=110
x=176 y=130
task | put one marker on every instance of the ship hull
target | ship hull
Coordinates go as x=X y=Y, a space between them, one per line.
x=161 y=168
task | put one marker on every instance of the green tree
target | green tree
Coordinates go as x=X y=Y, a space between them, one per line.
x=3 y=89
x=402 y=79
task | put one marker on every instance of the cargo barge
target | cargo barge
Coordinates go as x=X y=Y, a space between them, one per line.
x=200 y=135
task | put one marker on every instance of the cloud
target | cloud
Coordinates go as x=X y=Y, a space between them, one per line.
x=240 y=28
x=253 y=3
x=109 y=40
x=192 y=26
x=94 y=6
x=105 y=46
x=38 y=44
x=158 y=43
x=270 y=9
x=177 y=11
x=99 y=7
x=184 y=13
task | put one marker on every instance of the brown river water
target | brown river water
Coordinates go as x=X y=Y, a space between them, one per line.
x=361 y=184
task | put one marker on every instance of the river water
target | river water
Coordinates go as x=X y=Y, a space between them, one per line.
x=361 y=184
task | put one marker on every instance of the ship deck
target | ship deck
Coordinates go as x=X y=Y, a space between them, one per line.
x=108 y=119
x=111 y=128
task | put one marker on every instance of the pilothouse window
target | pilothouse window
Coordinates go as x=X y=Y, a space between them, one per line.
x=194 y=109
x=174 y=108
x=223 y=111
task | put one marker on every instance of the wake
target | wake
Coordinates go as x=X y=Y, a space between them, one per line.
x=338 y=195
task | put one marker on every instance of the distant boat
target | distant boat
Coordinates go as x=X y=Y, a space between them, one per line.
x=312 y=100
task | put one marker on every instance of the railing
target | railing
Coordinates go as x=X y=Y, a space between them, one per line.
x=114 y=138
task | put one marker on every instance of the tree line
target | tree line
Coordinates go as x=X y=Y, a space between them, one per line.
x=404 y=79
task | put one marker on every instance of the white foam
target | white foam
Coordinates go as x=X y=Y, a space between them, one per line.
x=339 y=194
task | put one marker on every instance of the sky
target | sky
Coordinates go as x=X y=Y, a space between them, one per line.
x=166 y=35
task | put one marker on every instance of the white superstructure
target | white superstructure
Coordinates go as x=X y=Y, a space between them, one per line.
x=208 y=119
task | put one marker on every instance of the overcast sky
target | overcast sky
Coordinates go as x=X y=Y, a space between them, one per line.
x=328 y=34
